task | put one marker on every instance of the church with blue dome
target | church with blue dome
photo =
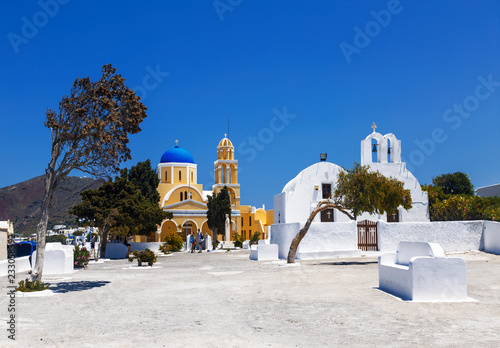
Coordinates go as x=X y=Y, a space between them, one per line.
x=181 y=194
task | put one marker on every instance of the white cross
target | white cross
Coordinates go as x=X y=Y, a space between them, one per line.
x=374 y=126
x=225 y=135
x=328 y=213
x=176 y=142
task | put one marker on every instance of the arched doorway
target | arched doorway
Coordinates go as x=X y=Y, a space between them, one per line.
x=167 y=227
x=188 y=227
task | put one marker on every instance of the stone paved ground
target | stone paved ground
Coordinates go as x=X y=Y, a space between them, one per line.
x=226 y=300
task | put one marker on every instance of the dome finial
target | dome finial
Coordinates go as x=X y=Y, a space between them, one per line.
x=177 y=143
x=225 y=135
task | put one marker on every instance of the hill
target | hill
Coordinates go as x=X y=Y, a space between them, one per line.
x=21 y=202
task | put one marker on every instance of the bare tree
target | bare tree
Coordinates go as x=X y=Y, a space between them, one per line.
x=89 y=133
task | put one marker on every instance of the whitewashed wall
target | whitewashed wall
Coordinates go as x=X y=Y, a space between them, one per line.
x=492 y=237
x=326 y=240
x=299 y=196
x=451 y=235
x=323 y=240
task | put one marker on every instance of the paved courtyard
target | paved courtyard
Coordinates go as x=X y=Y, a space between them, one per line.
x=223 y=299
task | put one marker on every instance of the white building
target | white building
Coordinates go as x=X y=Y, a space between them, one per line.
x=381 y=153
x=489 y=191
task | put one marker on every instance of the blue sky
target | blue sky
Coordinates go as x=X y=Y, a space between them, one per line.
x=297 y=78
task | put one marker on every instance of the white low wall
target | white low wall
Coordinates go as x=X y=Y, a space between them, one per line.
x=492 y=237
x=21 y=264
x=119 y=250
x=453 y=236
x=323 y=240
x=326 y=240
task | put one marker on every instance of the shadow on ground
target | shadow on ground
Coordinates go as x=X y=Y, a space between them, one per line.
x=76 y=286
x=345 y=263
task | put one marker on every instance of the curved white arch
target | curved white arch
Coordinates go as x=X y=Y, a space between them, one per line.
x=168 y=220
x=167 y=196
x=189 y=220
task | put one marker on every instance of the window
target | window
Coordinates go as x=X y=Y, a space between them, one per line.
x=181 y=196
x=185 y=195
x=180 y=175
x=327 y=190
x=393 y=217
x=191 y=176
x=242 y=222
x=327 y=215
x=249 y=221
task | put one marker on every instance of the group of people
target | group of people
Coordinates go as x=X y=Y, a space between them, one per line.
x=196 y=240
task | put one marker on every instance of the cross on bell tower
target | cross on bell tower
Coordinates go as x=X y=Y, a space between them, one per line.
x=374 y=127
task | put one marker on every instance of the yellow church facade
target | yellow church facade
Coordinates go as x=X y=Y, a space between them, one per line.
x=181 y=194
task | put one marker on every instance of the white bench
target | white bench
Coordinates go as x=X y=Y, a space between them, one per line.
x=58 y=259
x=264 y=252
x=420 y=272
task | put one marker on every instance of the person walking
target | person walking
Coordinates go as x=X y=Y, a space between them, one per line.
x=127 y=242
x=92 y=248
x=191 y=242
x=199 y=241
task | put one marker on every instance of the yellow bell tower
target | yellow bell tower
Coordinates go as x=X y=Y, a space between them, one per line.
x=226 y=174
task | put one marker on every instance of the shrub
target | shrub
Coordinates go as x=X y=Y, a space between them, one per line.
x=255 y=238
x=164 y=248
x=238 y=240
x=30 y=286
x=147 y=255
x=58 y=238
x=81 y=257
x=174 y=241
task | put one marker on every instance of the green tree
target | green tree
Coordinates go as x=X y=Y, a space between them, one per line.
x=90 y=133
x=454 y=184
x=119 y=207
x=144 y=178
x=218 y=205
x=358 y=190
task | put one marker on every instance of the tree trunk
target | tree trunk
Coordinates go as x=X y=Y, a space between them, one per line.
x=214 y=240
x=104 y=241
x=41 y=229
x=323 y=205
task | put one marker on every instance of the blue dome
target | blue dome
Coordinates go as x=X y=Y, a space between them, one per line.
x=177 y=155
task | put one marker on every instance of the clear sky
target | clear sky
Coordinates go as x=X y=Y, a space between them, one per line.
x=296 y=78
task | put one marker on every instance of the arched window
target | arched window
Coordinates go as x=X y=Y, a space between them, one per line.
x=249 y=221
x=375 y=150
x=389 y=151
x=180 y=175
x=185 y=195
x=181 y=196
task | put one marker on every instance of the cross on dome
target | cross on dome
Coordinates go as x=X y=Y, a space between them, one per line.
x=374 y=126
x=177 y=143
x=225 y=135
